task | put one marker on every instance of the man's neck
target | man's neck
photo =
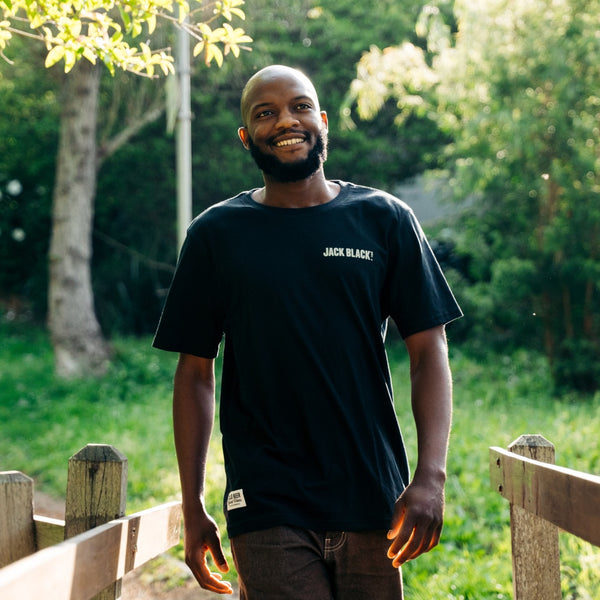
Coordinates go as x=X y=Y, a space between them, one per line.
x=312 y=191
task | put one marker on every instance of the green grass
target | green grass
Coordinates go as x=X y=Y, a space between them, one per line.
x=44 y=421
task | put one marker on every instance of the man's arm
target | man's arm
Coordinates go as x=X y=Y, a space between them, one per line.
x=419 y=512
x=193 y=417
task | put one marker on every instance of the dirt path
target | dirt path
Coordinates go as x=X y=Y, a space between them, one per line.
x=153 y=581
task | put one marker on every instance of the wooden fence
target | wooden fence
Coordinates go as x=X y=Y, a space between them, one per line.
x=100 y=544
x=543 y=499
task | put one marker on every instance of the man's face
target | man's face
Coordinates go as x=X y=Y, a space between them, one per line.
x=286 y=132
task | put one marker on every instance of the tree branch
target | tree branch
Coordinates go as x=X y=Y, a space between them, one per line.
x=109 y=147
x=149 y=262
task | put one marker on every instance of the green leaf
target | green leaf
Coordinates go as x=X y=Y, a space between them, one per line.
x=70 y=59
x=125 y=18
x=55 y=55
x=198 y=48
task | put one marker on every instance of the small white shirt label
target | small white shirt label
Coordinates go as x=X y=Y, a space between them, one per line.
x=236 y=499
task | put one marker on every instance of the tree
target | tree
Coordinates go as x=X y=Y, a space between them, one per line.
x=517 y=89
x=84 y=35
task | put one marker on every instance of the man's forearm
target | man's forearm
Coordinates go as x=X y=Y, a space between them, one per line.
x=432 y=409
x=431 y=382
x=193 y=417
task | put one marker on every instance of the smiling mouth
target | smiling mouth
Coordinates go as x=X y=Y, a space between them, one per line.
x=289 y=142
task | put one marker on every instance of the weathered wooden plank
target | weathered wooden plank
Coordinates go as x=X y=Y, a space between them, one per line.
x=48 y=531
x=534 y=541
x=565 y=497
x=82 y=566
x=96 y=494
x=17 y=534
x=96 y=488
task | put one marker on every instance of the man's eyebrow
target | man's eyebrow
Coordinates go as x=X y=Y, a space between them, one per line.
x=255 y=107
x=304 y=97
x=260 y=105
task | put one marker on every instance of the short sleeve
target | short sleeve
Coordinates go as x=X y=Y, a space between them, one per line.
x=192 y=317
x=418 y=294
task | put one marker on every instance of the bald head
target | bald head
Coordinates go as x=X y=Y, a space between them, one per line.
x=271 y=74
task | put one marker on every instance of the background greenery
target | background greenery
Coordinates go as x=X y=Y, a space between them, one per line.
x=510 y=121
x=44 y=421
x=136 y=186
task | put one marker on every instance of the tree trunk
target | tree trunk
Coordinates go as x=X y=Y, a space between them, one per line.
x=79 y=346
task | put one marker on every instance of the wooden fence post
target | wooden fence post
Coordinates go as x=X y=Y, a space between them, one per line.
x=535 y=552
x=17 y=531
x=96 y=494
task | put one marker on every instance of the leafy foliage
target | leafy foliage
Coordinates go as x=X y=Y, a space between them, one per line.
x=87 y=29
x=516 y=89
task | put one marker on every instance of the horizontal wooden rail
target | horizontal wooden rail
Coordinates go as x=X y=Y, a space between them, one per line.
x=569 y=499
x=48 y=531
x=84 y=565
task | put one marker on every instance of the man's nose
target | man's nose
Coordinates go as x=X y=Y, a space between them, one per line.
x=286 y=119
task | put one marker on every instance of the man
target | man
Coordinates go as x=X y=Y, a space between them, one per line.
x=300 y=276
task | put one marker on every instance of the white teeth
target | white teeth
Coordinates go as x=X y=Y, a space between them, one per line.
x=289 y=142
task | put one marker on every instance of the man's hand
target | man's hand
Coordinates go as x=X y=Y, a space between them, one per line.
x=193 y=417
x=419 y=512
x=201 y=535
x=417 y=522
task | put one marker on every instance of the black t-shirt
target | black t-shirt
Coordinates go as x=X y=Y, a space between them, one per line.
x=302 y=296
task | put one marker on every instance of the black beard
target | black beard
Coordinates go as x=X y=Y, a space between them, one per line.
x=288 y=172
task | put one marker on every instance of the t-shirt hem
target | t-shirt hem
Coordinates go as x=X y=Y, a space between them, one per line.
x=184 y=349
x=234 y=530
x=435 y=321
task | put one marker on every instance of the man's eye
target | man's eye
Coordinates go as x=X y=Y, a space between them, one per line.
x=264 y=113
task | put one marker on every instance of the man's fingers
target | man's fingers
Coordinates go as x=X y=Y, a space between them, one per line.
x=435 y=539
x=216 y=551
x=211 y=581
x=417 y=544
x=397 y=520
x=401 y=545
x=401 y=532
x=207 y=579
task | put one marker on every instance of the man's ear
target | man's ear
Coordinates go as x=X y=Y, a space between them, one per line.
x=324 y=119
x=244 y=136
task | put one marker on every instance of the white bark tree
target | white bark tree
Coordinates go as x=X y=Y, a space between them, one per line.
x=79 y=346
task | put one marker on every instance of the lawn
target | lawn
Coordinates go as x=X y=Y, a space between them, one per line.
x=44 y=421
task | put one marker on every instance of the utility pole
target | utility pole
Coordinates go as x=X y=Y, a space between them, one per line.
x=183 y=136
